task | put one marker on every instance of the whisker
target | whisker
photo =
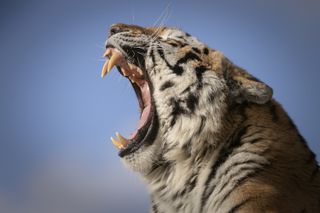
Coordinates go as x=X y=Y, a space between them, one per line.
x=162 y=19
x=165 y=18
x=161 y=14
x=100 y=59
x=133 y=16
x=101 y=46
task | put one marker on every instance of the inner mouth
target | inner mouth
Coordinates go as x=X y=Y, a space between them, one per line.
x=140 y=83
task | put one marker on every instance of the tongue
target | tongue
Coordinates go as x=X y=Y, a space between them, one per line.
x=146 y=98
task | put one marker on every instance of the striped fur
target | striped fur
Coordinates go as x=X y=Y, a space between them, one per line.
x=223 y=145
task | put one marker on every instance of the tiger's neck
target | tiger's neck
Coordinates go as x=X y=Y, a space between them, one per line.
x=182 y=172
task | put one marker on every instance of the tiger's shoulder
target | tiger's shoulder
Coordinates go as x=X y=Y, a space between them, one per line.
x=289 y=181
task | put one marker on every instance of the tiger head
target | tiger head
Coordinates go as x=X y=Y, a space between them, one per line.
x=184 y=88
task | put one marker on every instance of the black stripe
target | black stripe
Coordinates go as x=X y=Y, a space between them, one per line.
x=128 y=35
x=196 y=50
x=252 y=134
x=181 y=37
x=181 y=44
x=179 y=193
x=253 y=141
x=227 y=170
x=187 y=148
x=239 y=181
x=199 y=71
x=173 y=44
x=161 y=188
x=224 y=155
x=226 y=75
x=160 y=163
x=186 y=90
x=166 y=85
x=179 y=206
x=176 y=111
x=154 y=207
x=239 y=205
x=193 y=183
x=152 y=57
x=161 y=53
x=177 y=69
x=191 y=102
x=203 y=120
x=189 y=186
x=245 y=168
x=165 y=148
x=188 y=56
x=273 y=111
x=211 y=97
x=206 y=51
x=261 y=152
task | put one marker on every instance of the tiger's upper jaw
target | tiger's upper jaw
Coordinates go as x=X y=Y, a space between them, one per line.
x=135 y=42
x=132 y=45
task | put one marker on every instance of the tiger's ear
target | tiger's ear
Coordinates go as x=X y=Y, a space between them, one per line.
x=245 y=87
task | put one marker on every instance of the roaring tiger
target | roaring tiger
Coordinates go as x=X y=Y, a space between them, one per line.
x=210 y=137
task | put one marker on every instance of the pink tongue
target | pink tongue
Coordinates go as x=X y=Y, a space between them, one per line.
x=146 y=98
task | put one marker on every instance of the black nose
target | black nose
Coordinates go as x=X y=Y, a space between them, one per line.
x=117 y=28
x=114 y=30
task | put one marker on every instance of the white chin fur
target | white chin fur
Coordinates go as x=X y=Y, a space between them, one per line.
x=142 y=159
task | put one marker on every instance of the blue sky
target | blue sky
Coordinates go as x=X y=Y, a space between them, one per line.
x=57 y=114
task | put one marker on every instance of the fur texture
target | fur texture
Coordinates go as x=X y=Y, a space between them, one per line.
x=223 y=144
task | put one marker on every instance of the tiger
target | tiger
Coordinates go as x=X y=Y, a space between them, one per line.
x=211 y=137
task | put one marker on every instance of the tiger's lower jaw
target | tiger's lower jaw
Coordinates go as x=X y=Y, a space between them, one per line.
x=145 y=137
x=143 y=159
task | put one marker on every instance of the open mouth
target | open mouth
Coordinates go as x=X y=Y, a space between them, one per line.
x=147 y=126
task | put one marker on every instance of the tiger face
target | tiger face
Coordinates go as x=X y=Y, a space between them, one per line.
x=184 y=89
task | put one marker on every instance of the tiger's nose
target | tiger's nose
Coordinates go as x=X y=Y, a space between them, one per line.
x=116 y=28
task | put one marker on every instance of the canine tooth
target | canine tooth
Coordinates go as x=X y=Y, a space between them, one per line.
x=132 y=79
x=122 y=140
x=117 y=143
x=113 y=60
x=132 y=66
x=124 y=72
x=104 y=69
x=135 y=70
x=140 y=71
x=107 y=53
